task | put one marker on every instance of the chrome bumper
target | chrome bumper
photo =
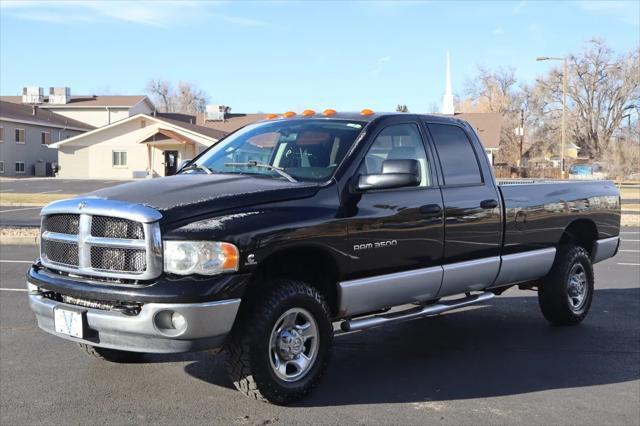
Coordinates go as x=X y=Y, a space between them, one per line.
x=207 y=325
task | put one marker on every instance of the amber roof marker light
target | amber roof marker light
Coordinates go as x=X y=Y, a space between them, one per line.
x=271 y=116
x=367 y=111
x=289 y=114
x=329 y=112
x=308 y=112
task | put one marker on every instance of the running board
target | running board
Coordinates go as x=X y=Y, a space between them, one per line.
x=413 y=313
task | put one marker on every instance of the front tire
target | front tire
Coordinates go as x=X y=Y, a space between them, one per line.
x=281 y=346
x=565 y=296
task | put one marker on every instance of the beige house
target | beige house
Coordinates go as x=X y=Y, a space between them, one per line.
x=136 y=147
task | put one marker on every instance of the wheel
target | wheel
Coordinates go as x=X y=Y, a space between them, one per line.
x=111 y=355
x=281 y=345
x=565 y=296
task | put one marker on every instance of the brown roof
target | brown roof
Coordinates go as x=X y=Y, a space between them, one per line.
x=232 y=122
x=86 y=101
x=14 y=111
x=487 y=124
x=183 y=120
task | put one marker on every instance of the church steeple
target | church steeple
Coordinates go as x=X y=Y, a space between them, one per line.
x=447 y=99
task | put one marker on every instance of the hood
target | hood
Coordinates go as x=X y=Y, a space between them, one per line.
x=183 y=196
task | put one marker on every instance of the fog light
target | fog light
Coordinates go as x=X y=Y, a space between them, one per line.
x=178 y=321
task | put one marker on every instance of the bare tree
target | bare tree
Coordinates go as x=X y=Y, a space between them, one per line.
x=186 y=99
x=162 y=94
x=600 y=86
x=497 y=91
x=402 y=108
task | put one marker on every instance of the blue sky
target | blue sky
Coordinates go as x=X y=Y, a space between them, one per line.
x=276 y=56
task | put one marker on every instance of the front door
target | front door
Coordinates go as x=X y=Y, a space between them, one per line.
x=170 y=162
x=396 y=235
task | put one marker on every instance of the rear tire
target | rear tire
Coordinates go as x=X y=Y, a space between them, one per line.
x=280 y=348
x=111 y=355
x=565 y=295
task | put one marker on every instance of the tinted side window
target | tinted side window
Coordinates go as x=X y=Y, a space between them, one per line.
x=397 y=142
x=457 y=157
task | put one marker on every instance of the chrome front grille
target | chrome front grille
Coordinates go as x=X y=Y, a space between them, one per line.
x=62 y=223
x=60 y=252
x=102 y=238
x=118 y=259
x=113 y=227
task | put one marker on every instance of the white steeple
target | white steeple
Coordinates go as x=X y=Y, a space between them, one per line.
x=447 y=99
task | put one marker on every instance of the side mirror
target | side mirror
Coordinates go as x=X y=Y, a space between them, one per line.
x=183 y=163
x=395 y=174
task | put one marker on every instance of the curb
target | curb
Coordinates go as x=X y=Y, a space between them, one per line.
x=19 y=240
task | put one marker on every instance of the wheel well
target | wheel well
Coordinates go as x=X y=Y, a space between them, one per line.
x=581 y=232
x=309 y=264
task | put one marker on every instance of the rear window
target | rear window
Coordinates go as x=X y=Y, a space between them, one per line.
x=457 y=156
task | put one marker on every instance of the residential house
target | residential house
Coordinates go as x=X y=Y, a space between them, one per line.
x=94 y=110
x=26 y=132
x=143 y=145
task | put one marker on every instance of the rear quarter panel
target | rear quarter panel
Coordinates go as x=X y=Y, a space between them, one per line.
x=536 y=214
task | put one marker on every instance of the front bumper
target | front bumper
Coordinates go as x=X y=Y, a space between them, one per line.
x=207 y=325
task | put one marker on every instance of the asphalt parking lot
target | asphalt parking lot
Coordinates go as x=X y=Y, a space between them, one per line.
x=497 y=363
x=54 y=185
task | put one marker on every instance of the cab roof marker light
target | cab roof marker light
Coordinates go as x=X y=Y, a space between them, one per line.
x=308 y=112
x=289 y=114
x=367 y=111
x=329 y=112
x=271 y=116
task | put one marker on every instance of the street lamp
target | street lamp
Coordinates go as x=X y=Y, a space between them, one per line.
x=564 y=101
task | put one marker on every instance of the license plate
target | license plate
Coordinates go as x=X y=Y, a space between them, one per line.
x=68 y=322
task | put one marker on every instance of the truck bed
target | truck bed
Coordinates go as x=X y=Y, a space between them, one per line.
x=537 y=211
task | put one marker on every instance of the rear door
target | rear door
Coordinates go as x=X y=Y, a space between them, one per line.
x=473 y=226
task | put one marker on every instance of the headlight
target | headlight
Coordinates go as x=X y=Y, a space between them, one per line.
x=200 y=257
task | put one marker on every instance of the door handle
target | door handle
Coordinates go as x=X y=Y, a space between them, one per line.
x=431 y=209
x=489 y=204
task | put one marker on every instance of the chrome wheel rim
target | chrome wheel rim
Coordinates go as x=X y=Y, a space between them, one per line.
x=293 y=345
x=577 y=287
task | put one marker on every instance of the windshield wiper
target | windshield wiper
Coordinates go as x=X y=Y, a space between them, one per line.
x=197 y=167
x=278 y=170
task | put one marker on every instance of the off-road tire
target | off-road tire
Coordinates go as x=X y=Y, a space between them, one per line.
x=553 y=291
x=111 y=355
x=247 y=348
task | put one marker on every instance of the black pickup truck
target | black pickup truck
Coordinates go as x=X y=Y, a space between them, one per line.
x=286 y=226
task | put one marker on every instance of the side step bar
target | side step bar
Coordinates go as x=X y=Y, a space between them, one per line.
x=413 y=313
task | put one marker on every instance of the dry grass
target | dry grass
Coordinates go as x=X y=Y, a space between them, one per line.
x=21 y=199
x=630 y=193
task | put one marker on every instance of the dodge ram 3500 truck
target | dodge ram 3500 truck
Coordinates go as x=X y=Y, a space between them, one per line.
x=286 y=226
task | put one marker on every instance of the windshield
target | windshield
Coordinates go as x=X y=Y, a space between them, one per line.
x=306 y=150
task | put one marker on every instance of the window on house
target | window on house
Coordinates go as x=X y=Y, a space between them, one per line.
x=19 y=166
x=1 y=134
x=19 y=135
x=45 y=138
x=1 y=166
x=119 y=159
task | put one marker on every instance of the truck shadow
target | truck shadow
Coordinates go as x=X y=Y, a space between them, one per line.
x=482 y=352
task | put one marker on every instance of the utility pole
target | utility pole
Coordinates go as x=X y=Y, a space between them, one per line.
x=564 y=105
x=564 y=113
x=521 y=133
